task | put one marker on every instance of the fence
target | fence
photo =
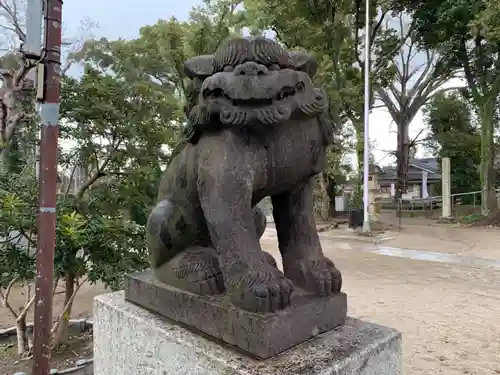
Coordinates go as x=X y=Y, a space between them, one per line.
x=461 y=203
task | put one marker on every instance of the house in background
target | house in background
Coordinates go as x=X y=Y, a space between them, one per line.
x=424 y=178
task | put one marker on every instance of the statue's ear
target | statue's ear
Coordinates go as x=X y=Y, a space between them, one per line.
x=304 y=62
x=199 y=66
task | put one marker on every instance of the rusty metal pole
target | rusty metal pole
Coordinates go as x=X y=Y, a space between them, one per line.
x=46 y=225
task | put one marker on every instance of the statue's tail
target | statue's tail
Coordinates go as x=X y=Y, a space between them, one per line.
x=163 y=243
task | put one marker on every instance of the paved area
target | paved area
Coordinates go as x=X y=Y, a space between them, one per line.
x=475 y=242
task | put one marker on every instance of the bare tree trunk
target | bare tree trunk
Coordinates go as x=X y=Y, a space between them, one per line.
x=22 y=337
x=489 y=203
x=402 y=161
x=360 y=148
x=403 y=152
x=20 y=317
x=331 y=191
x=324 y=195
x=61 y=335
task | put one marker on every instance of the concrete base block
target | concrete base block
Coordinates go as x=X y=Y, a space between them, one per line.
x=129 y=340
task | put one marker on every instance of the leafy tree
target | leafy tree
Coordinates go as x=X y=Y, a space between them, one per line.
x=167 y=44
x=116 y=126
x=468 y=34
x=334 y=31
x=329 y=182
x=119 y=122
x=419 y=75
x=88 y=247
x=453 y=135
x=17 y=261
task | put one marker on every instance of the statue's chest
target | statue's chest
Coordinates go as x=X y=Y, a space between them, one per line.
x=293 y=154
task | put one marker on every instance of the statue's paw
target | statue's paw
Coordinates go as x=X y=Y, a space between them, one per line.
x=196 y=270
x=262 y=290
x=318 y=275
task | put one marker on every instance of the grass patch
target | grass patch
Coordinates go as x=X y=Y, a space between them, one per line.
x=472 y=218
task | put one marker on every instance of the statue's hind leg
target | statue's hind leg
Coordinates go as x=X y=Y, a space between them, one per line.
x=196 y=269
x=176 y=261
x=174 y=258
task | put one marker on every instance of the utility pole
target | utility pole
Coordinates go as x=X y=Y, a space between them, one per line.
x=48 y=93
x=366 y=156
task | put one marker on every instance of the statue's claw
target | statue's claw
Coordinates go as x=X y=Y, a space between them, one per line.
x=317 y=275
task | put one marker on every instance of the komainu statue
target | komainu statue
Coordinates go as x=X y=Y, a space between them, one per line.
x=256 y=128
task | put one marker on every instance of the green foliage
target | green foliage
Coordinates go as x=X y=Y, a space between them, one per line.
x=467 y=33
x=120 y=120
x=18 y=209
x=472 y=218
x=99 y=247
x=334 y=31
x=453 y=135
x=117 y=124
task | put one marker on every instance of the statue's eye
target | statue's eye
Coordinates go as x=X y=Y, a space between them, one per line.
x=274 y=67
x=228 y=69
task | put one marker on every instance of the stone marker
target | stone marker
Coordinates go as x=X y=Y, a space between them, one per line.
x=256 y=128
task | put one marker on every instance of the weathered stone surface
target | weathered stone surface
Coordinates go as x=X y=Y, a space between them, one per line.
x=260 y=335
x=257 y=128
x=129 y=340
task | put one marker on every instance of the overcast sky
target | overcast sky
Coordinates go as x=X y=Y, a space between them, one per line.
x=123 y=18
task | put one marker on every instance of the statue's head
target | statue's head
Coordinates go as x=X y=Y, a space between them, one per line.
x=249 y=81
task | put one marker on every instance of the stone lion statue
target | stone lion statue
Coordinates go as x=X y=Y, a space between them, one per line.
x=258 y=128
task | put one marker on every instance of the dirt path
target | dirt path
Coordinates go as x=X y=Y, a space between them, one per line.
x=448 y=315
x=80 y=345
x=82 y=308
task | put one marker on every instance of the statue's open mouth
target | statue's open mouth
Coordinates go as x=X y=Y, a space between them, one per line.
x=285 y=92
x=248 y=102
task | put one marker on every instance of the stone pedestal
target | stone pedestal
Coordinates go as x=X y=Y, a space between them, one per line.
x=129 y=340
x=262 y=336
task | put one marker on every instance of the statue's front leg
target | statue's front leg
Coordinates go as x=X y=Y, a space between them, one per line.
x=303 y=259
x=225 y=191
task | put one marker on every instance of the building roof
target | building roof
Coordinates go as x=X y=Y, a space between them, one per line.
x=426 y=164
x=416 y=167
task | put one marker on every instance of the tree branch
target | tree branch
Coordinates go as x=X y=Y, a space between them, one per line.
x=5 y=296
x=56 y=283
x=71 y=177
x=68 y=305
x=12 y=14
x=414 y=140
x=469 y=76
x=115 y=144
x=26 y=308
